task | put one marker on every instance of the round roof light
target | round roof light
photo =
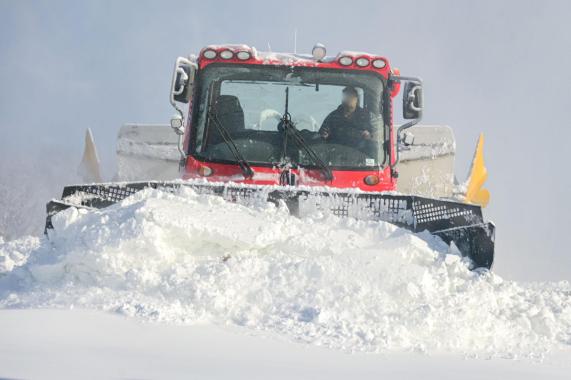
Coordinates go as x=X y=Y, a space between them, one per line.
x=226 y=54
x=362 y=62
x=318 y=52
x=345 y=61
x=379 y=63
x=209 y=54
x=243 y=55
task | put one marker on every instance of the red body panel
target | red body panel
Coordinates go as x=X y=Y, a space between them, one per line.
x=304 y=177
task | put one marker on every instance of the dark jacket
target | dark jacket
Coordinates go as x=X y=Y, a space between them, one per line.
x=346 y=130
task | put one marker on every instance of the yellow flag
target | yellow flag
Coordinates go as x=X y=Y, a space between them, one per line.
x=89 y=167
x=475 y=192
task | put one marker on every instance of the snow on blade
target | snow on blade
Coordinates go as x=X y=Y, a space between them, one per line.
x=340 y=283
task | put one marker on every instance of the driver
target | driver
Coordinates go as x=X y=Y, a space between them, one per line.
x=349 y=122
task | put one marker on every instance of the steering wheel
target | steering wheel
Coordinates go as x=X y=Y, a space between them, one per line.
x=305 y=122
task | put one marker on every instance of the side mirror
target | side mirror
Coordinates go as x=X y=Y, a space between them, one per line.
x=412 y=101
x=182 y=80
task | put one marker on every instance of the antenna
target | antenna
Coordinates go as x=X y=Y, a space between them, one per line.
x=295 y=41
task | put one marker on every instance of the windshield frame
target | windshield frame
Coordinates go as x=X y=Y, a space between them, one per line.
x=385 y=116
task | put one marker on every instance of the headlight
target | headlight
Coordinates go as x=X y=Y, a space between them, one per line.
x=209 y=54
x=177 y=121
x=204 y=171
x=345 y=61
x=226 y=54
x=362 y=62
x=372 y=180
x=379 y=63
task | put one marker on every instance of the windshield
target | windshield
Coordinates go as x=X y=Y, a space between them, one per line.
x=338 y=114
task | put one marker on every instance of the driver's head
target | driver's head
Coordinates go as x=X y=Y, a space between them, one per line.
x=350 y=98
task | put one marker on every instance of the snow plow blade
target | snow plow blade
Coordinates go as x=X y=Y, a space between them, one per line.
x=458 y=223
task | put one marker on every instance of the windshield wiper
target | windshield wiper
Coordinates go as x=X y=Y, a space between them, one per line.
x=238 y=156
x=289 y=128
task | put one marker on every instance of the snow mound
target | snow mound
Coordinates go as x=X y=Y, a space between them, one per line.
x=15 y=253
x=352 y=285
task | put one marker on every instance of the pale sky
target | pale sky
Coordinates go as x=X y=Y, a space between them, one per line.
x=498 y=67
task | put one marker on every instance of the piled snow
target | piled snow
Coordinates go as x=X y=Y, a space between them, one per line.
x=15 y=253
x=351 y=285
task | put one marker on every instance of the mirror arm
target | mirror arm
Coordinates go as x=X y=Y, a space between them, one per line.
x=181 y=147
x=180 y=134
x=407 y=125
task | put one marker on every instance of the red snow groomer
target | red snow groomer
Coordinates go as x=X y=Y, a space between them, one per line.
x=313 y=132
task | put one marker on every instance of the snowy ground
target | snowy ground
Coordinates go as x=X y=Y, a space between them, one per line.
x=47 y=344
x=194 y=285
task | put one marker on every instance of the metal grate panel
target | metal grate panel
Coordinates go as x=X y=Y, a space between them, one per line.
x=416 y=213
x=453 y=221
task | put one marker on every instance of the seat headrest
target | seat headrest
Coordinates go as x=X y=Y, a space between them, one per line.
x=227 y=104
x=229 y=112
